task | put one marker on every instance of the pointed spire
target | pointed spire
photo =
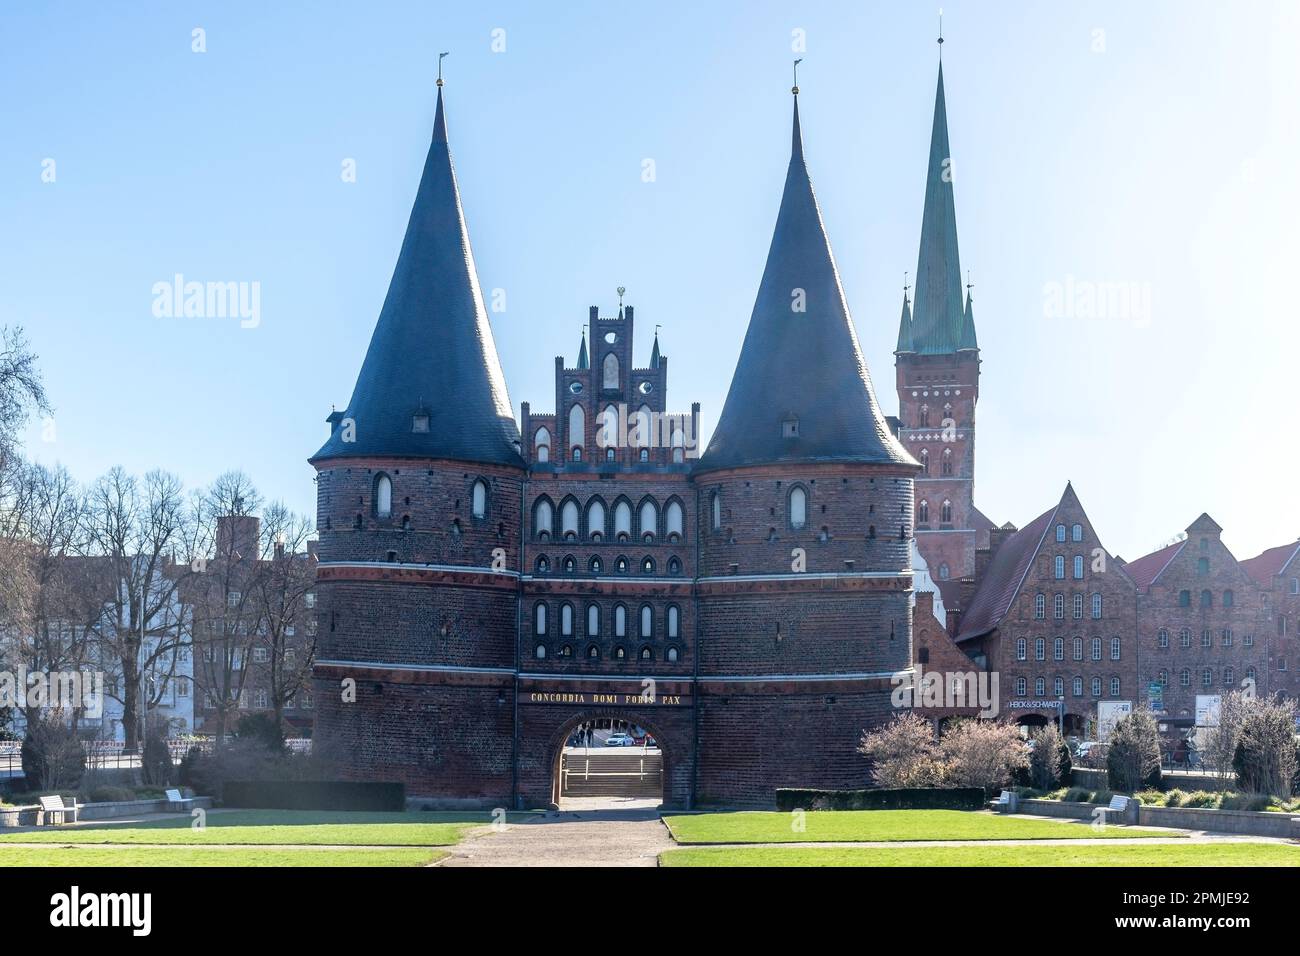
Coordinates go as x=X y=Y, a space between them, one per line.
x=801 y=391
x=905 y=327
x=583 y=361
x=968 y=341
x=937 y=305
x=432 y=340
x=654 y=351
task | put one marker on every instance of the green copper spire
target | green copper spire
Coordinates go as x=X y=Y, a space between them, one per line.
x=937 y=306
x=905 y=328
x=583 y=361
x=654 y=351
x=968 y=341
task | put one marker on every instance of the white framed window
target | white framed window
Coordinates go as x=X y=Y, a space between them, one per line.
x=383 y=496
x=648 y=519
x=261 y=655
x=478 y=499
x=674 y=621
x=1114 y=648
x=798 y=508
x=1020 y=649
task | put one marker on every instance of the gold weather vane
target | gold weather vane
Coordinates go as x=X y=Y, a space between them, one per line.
x=795 y=88
x=440 y=56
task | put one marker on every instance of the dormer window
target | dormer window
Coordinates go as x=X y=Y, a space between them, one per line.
x=790 y=428
x=420 y=422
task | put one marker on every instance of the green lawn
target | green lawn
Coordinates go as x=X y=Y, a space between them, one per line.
x=1118 y=854
x=121 y=855
x=864 y=826
x=301 y=828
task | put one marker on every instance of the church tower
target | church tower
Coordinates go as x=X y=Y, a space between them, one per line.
x=805 y=505
x=937 y=369
x=418 y=510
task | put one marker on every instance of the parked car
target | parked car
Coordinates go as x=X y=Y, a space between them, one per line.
x=619 y=740
x=644 y=740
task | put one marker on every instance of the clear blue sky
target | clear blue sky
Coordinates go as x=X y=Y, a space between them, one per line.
x=1159 y=152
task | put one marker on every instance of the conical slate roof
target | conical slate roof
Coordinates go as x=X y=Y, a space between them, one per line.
x=905 y=328
x=937 y=302
x=801 y=391
x=432 y=351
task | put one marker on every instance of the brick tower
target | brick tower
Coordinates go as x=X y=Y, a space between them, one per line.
x=805 y=507
x=937 y=368
x=418 y=508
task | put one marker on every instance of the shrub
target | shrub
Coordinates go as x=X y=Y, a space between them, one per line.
x=262 y=729
x=1202 y=799
x=1101 y=796
x=1246 y=801
x=1152 y=798
x=53 y=756
x=902 y=753
x=1045 y=758
x=981 y=753
x=1265 y=758
x=109 y=794
x=156 y=761
x=1175 y=798
x=1133 y=754
x=1078 y=795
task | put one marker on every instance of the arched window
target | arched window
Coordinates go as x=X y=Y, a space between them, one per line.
x=566 y=620
x=923 y=419
x=1060 y=532
x=1184 y=598
x=672 y=655
x=593 y=653
x=620 y=621
x=593 y=620
x=946 y=513
x=647 y=621
x=1096 y=648
x=1076 y=532
x=577 y=430
x=673 y=522
x=1078 y=607
x=1162 y=638
x=479 y=499
x=1058 y=649
x=1202 y=565
x=569 y=520
x=1058 y=566
x=925 y=462
x=715 y=511
x=1114 y=687
x=540 y=652
x=644 y=428
x=1022 y=687
x=1096 y=687
x=1040 y=606
x=944 y=572
x=1078 y=567
x=1076 y=686
x=647 y=565
x=609 y=372
x=596 y=520
x=607 y=437
x=570 y=564
x=1228 y=598
x=1058 y=687
x=1040 y=649
x=922 y=512
x=621 y=565
x=543 y=564
x=1207 y=598
x=542 y=444
x=595 y=565
x=539 y=620
x=679 y=446
x=1021 y=645
x=622 y=521
x=383 y=496
x=1096 y=607
x=1040 y=686
x=674 y=621
x=798 y=508
x=946 y=464
x=1058 y=607
x=647 y=654
x=674 y=566
x=648 y=519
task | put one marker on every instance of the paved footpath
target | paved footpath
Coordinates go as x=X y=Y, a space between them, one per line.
x=630 y=835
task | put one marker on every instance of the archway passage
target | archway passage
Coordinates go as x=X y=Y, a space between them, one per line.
x=609 y=761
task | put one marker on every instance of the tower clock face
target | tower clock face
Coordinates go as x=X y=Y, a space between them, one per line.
x=575 y=387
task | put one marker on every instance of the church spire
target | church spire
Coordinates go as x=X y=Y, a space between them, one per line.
x=583 y=361
x=905 y=327
x=937 y=313
x=801 y=391
x=654 y=351
x=432 y=343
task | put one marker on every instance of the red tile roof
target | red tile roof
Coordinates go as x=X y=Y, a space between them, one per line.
x=1147 y=568
x=1003 y=578
x=1268 y=565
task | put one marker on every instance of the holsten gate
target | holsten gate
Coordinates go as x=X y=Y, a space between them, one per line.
x=486 y=585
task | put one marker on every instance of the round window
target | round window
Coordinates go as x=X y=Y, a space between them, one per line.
x=611 y=337
x=575 y=387
x=646 y=388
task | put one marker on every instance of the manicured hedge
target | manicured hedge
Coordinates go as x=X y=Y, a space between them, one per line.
x=915 y=798
x=313 y=795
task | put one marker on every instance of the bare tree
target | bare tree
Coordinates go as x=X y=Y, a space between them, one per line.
x=136 y=530
x=902 y=753
x=225 y=594
x=289 y=626
x=1221 y=739
x=982 y=753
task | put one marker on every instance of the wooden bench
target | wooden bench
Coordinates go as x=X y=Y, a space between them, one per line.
x=54 y=806
x=1118 y=807
x=176 y=802
x=1005 y=802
